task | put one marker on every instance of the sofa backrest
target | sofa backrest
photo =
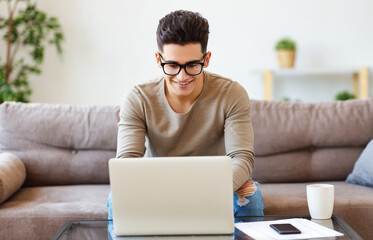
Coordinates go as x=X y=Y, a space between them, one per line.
x=294 y=142
x=60 y=144
x=300 y=142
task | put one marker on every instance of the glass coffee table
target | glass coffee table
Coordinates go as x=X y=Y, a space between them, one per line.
x=97 y=229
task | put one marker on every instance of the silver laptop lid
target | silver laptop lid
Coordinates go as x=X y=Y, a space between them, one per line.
x=172 y=195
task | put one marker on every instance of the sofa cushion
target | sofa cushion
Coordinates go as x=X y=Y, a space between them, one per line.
x=12 y=175
x=60 y=144
x=303 y=141
x=353 y=203
x=39 y=212
x=363 y=169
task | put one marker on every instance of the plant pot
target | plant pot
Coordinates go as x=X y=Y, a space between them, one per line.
x=286 y=58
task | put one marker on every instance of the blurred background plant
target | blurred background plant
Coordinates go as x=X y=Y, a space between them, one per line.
x=288 y=99
x=30 y=30
x=286 y=44
x=344 y=95
x=286 y=49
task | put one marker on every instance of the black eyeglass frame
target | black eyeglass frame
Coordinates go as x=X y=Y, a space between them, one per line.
x=183 y=66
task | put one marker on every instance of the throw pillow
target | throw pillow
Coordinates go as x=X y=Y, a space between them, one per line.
x=362 y=173
x=12 y=175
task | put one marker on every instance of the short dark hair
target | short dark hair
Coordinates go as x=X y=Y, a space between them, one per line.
x=183 y=27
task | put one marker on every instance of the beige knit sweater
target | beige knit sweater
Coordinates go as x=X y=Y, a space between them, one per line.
x=218 y=123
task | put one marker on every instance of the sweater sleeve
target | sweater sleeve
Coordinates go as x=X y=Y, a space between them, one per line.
x=131 y=126
x=239 y=136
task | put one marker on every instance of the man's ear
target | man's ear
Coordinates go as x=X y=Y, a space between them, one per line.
x=157 y=58
x=207 y=61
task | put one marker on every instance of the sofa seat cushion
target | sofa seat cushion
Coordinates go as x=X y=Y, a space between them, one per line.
x=353 y=203
x=39 y=212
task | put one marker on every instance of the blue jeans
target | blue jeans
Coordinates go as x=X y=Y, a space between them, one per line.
x=252 y=206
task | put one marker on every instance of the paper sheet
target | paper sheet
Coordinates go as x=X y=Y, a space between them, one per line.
x=262 y=230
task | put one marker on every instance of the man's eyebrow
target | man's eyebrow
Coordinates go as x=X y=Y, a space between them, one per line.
x=174 y=62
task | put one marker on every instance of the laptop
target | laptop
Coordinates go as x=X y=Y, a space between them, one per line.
x=172 y=195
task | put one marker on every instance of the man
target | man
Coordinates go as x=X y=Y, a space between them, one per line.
x=191 y=112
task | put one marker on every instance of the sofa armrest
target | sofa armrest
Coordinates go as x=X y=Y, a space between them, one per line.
x=12 y=175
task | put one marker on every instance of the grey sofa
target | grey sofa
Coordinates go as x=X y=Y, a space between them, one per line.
x=53 y=161
x=300 y=143
x=65 y=150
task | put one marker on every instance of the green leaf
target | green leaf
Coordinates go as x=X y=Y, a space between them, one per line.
x=3 y=23
x=38 y=54
x=40 y=17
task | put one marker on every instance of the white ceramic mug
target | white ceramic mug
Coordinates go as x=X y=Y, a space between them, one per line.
x=320 y=199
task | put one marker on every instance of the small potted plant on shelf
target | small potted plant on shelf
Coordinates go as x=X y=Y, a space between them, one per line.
x=286 y=49
x=344 y=95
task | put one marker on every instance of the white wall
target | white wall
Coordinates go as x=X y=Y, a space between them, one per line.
x=110 y=45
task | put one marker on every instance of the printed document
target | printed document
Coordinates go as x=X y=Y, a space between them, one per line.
x=262 y=230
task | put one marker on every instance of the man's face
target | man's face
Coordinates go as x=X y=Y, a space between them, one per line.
x=183 y=84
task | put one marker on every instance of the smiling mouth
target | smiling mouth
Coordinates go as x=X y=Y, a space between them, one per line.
x=183 y=84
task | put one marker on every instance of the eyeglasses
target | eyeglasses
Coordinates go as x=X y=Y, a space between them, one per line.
x=192 y=68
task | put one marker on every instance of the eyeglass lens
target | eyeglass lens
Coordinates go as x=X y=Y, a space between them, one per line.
x=174 y=69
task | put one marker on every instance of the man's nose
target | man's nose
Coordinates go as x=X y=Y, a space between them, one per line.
x=182 y=75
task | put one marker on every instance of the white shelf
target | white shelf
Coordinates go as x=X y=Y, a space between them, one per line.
x=360 y=77
x=308 y=71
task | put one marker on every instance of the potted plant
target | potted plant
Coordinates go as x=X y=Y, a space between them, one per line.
x=344 y=95
x=28 y=30
x=286 y=49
